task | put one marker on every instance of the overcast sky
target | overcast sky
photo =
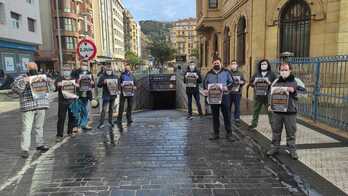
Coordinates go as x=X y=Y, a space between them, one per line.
x=161 y=10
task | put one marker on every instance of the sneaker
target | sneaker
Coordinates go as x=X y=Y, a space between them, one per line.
x=229 y=137
x=294 y=155
x=189 y=117
x=252 y=127
x=237 y=122
x=214 y=137
x=43 y=149
x=59 y=139
x=272 y=151
x=25 y=154
x=101 y=125
x=87 y=128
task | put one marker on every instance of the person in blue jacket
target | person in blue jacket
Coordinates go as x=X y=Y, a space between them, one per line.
x=219 y=75
x=108 y=97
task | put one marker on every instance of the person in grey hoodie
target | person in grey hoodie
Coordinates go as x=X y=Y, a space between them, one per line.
x=221 y=76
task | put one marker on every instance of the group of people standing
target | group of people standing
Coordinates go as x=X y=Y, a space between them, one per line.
x=231 y=81
x=75 y=93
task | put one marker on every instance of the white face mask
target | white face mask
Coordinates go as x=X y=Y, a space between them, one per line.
x=67 y=74
x=192 y=67
x=109 y=72
x=234 y=66
x=284 y=74
x=264 y=66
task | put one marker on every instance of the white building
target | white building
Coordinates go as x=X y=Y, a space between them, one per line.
x=20 y=33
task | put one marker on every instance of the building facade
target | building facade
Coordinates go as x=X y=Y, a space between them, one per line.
x=20 y=34
x=109 y=31
x=132 y=34
x=76 y=23
x=247 y=30
x=183 y=36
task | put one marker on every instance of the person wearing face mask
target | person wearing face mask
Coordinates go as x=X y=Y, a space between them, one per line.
x=236 y=90
x=263 y=71
x=286 y=118
x=108 y=97
x=126 y=76
x=193 y=89
x=84 y=96
x=33 y=110
x=64 y=101
x=218 y=75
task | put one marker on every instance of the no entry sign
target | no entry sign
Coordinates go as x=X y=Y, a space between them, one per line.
x=86 y=49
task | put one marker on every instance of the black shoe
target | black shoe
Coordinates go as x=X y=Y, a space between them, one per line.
x=272 y=151
x=112 y=124
x=251 y=127
x=43 y=149
x=214 y=137
x=294 y=155
x=25 y=154
x=101 y=125
x=189 y=117
x=237 y=123
x=87 y=128
x=229 y=137
x=129 y=122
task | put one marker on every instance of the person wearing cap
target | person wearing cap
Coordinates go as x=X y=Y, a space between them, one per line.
x=193 y=90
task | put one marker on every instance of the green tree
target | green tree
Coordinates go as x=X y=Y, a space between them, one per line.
x=162 y=52
x=132 y=59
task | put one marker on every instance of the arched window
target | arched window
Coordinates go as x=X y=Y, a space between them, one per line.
x=241 y=31
x=294 y=25
x=213 y=4
x=226 y=46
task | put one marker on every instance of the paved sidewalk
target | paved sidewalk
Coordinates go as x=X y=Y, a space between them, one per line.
x=324 y=153
x=162 y=153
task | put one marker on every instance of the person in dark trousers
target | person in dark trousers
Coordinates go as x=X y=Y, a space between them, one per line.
x=264 y=71
x=84 y=96
x=193 y=90
x=220 y=76
x=285 y=119
x=236 y=90
x=126 y=76
x=64 y=101
x=108 y=97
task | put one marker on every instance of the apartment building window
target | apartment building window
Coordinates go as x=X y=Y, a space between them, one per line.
x=2 y=13
x=68 y=24
x=294 y=26
x=213 y=4
x=241 y=28
x=31 y=25
x=227 y=45
x=69 y=43
x=15 y=20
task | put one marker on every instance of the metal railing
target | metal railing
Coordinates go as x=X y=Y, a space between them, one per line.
x=326 y=80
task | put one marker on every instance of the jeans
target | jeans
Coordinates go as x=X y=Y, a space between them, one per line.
x=129 y=108
x=224 y=106
x=198 y=103
x=32 y=120
x=107 y=105
x=84 y=114
x=235 y=101
x=63 y=108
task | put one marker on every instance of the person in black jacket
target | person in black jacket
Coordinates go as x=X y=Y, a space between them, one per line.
x=264 y=72
x=285 y=118
x=109 y=94
x=64 y=101
x=192 y=80
x=84 y=96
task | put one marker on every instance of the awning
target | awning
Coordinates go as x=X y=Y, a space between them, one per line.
x=18 y=46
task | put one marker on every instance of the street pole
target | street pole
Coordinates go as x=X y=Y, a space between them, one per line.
x=59 y=39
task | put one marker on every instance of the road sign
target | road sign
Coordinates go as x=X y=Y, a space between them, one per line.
x=86 y=49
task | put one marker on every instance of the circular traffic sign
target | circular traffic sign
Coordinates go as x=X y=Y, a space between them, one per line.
x=86 y=49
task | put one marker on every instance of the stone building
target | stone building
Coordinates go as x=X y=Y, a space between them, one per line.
x=183 y=37
x=247 y=30
x=132 y=33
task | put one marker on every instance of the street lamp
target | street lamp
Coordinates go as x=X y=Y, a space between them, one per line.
x=59 y=39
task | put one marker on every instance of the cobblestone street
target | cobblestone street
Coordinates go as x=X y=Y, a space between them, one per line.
x=162 y=153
